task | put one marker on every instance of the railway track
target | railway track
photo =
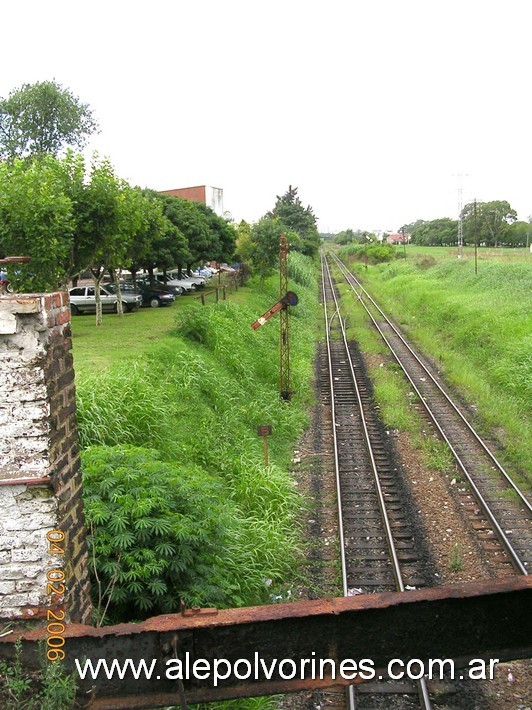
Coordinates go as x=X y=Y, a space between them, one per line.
x=378 y=546
x=500 y=513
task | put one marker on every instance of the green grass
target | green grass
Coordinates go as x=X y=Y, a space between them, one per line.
x=120 y=340
x=456 y=558
x=468 y=253
x=478 y=328
x=193 y=383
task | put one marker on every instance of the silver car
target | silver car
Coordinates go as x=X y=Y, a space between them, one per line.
x=83 y=300
x=198 y=280
x=187 y=285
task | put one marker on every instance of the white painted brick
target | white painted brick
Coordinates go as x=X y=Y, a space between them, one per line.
x=33 y=598
x=9 y=612
x=22 y=304
x=35 y=538
x=26 y=554
x=8 y=324
x=7 y=587
x=24 y=585
x=29 y=522
x=25 y=447
x=15 y=572
x=30 y=507
x=8 y=542
x=21 y=426
x=20 y=376
x=25 y=393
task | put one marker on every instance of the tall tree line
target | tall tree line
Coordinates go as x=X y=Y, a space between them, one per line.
x=69 y=216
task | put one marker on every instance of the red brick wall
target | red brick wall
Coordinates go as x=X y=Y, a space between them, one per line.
x=195 y=194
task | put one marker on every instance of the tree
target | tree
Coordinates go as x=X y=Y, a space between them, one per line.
x=436 y=232
x=519 y=234
x=265 y=237
x=170 y=246
x=409 y=228
x=488 y=223
x=223 y=234
x=243 y=242
x=301 y=220
x=152 y=225
x=43 y=118
x=107 y=215
x=36 y=220
x=194 y=226
x=348 y=235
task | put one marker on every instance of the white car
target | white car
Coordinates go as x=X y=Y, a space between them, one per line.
x=186 y=284
x=83 y=300
x=198 y=280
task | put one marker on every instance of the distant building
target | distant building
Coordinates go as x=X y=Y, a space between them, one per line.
x=213 y=197
x=397 y=238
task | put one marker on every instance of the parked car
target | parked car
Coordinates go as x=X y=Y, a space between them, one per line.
x=198 y=280
x=205 y=272
x=227 y=269
x=146 y=281
x=187 y=285
x=151 y=295
x=83 y=300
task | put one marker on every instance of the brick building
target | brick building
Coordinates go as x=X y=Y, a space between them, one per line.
x=398 y=238
x=213 y=197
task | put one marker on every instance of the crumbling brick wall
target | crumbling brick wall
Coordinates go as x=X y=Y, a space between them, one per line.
x=40 y=478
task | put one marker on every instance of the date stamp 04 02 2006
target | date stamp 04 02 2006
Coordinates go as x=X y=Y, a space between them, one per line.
x=55 y=585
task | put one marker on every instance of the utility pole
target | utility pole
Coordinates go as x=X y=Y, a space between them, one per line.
x=460 y=224
x=284 y=355
x=476 y=235
x=460 y=218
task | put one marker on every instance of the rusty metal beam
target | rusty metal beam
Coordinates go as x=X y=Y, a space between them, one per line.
x=465 y=621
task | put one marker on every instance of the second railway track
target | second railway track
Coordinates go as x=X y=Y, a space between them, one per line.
x=381 y=545
x=504 y=511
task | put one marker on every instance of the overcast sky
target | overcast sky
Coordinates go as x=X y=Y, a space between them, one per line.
x=372 y=108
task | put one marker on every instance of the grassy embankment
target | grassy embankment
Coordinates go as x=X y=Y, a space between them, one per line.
x=193 y=383
x=478 y=328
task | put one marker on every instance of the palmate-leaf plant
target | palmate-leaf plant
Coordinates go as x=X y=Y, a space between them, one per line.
x=156 y=532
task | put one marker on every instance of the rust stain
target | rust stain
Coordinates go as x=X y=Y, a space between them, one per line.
x=459 y=621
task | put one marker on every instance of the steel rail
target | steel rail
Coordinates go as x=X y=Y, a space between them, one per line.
x=421 y=683
x=513 y=555
x=479 y=440
x=350 y=690
x=335 y=441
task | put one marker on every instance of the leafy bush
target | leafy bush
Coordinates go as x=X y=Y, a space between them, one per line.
x=50 y=688
x=369 y=253
x=155 y=530
x=160 y=532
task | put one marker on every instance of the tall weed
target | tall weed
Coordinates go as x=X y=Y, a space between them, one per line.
x=197 y=398
x=478 y=327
